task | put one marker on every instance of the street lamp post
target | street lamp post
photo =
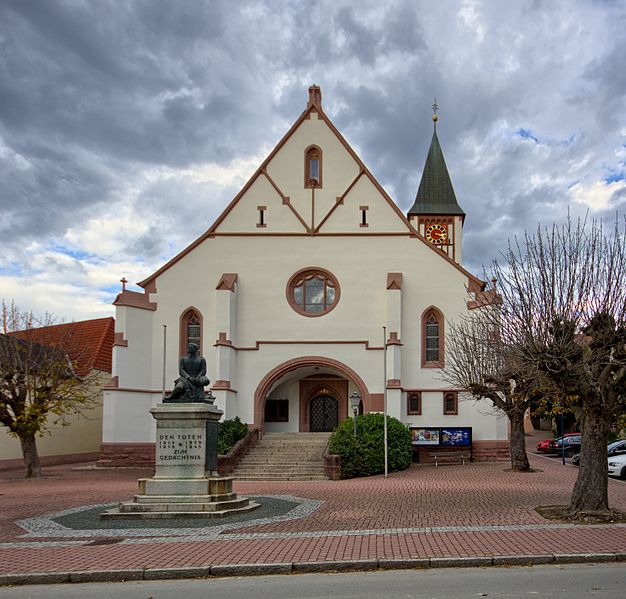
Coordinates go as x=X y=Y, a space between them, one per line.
x=355 y=400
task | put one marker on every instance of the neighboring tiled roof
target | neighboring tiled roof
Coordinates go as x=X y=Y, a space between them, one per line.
x=89 y=343
x=435 y=194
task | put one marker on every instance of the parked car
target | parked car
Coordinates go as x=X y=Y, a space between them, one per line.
x=542 y=446
x=571 y=442
x=617 y=466
x=614 y=448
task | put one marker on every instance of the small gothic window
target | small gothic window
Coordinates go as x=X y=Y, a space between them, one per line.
x=414 y=403
x=450 y=403
x=313 y=167
x=313 y=292
x=190 y=330
x=432 y=339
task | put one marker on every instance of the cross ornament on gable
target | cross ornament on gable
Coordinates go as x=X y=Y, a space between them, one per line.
x=123 y=281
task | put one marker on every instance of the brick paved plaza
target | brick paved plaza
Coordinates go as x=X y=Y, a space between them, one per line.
x=412 y=518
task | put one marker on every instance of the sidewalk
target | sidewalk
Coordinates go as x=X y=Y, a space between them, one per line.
x=475 y=514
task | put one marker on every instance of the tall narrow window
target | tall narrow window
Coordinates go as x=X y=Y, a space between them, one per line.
x=450 y=403
x=313 y=167
x=261 y=222
x=432 y=339
x=190 y=330
x=363 y=210
x=414 y=403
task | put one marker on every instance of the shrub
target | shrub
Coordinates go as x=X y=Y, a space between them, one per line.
x=364 y=454
x=228 y=433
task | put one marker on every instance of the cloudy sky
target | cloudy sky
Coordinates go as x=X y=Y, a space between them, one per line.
x=127 y=126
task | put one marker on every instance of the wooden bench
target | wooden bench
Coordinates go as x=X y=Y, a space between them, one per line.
x=448 y=457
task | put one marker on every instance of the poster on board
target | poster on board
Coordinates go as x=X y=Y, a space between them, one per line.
x=456 y=437
x=425 y=436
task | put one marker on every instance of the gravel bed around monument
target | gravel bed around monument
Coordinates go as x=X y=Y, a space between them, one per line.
x=85 y=521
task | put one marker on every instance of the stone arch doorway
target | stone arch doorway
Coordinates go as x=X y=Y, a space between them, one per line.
x=291 y=366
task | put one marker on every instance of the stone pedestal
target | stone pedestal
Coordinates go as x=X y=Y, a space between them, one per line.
x=186 y=449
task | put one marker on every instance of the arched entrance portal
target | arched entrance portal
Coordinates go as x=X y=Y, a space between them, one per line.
x=323 y=414
x=308 y=378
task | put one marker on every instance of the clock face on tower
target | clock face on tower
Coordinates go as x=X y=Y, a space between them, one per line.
x=437 y=234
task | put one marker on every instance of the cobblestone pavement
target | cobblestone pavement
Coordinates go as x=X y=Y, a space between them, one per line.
x=424 y=514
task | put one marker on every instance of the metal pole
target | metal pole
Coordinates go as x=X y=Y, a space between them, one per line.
x=562 y=436
x=164 y=354
x=385 y=398
x=354 y=418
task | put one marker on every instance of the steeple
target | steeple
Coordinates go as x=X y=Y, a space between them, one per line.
x=435 y=213
x=435 y=194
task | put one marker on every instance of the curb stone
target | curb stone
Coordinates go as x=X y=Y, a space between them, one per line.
x=460 y=562
x=578 y=558
x=106 y=575
x=174 y=573
x=350 y=565
x=404 y=564
x=303 y=567
x=250 y=569
x=522 y=560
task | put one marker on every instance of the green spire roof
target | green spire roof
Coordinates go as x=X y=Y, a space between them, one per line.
x=435 y=194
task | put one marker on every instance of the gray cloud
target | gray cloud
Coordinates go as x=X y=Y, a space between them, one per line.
x=95 y=95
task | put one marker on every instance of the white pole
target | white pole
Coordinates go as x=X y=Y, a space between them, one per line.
x=385 y=398
x=164 y=354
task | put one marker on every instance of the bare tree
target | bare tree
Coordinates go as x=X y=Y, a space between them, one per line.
x=563 y=314
x=479 y=360
x=40 y=380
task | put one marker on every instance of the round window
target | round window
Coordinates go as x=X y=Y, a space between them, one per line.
x=313 y=292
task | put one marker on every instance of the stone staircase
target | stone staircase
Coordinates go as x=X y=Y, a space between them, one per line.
x=285 y=456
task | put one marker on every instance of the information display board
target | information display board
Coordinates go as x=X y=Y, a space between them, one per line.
x=442 y=437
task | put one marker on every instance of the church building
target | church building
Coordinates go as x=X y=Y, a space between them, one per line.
x=288 y=295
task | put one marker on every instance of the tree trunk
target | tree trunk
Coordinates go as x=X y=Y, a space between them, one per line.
x=590 y=492
x=517 y=442
x=31 y=457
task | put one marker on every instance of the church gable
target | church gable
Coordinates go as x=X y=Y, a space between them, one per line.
x=305 y=182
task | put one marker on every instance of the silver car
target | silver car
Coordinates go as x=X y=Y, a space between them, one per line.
x=617 y=466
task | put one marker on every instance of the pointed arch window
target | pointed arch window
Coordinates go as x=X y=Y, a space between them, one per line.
x=190 y=330
x=432 y=339
x=313 y=167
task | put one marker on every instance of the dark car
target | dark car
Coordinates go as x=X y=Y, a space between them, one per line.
x=572 y=445
x=543 y=446
x=614 y=448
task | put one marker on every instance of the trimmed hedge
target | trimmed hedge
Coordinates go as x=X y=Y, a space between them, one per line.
x=364 y=455
x=228 y=433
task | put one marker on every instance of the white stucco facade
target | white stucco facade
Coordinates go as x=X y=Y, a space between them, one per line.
x=235 y=279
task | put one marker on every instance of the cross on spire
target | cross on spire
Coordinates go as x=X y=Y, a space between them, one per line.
x=435 y=108
x=123 y=281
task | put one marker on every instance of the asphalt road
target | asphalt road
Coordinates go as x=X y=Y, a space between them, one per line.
x=602 y=581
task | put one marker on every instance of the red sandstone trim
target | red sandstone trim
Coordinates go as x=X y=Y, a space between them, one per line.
x=394 y=280
x=223 y=340
x=119 y=341
x=339 y=201
x=134 y=299
x=311 y=342
x=394 y=384
x=393 y=339
x=263 y=388
x=440 y=319
x=227 y=282
x=310 y=271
